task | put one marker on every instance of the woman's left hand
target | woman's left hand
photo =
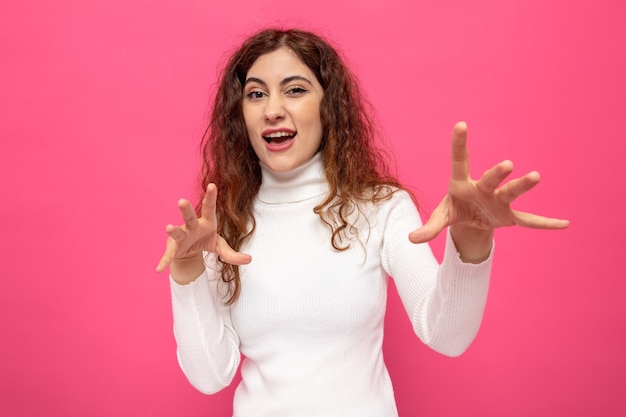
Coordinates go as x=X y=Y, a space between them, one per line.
x=480 y=206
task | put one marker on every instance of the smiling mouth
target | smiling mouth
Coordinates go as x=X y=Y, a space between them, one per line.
x=279 y=137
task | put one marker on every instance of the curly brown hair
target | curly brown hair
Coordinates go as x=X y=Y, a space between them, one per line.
x=355 y=168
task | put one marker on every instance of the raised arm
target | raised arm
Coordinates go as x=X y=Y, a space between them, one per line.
x=474 y=208
x=208 y=345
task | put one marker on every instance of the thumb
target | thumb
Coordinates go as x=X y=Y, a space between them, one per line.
x=167 y=257
x=426 y=233
x=438 y=220
x=229 y=255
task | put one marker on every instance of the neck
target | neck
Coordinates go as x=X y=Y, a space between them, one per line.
x=302 y=183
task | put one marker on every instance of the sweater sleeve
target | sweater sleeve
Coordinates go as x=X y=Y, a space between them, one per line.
x=445 y=303
x=207 y=345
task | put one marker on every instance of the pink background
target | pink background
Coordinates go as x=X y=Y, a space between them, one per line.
x=102 y=107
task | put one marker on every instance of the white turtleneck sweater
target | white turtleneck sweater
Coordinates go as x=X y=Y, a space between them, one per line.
x=309 y=320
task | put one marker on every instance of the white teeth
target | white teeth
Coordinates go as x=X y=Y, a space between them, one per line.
x=279 y=134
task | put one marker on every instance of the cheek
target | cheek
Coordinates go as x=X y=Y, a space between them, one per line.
x=319 y=125
x=248 y=121
x=313 y=115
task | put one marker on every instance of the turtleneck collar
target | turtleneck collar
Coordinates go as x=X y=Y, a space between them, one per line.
x=305 y=182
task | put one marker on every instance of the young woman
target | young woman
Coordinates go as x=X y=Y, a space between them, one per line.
x=286 y=259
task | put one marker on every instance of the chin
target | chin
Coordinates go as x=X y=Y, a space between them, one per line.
x=279 y=165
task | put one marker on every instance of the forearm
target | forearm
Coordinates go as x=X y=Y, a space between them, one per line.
x=456 y=306
x=445 y=302
x=208 y=350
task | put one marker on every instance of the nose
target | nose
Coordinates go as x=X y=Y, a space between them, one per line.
x=274 y=108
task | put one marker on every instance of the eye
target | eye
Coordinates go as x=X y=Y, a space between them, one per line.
x=255 y=95
x=296 y=91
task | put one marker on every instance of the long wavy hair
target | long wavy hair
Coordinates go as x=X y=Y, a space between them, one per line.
x=355 y=168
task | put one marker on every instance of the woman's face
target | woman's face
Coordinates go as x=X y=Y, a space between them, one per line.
x=281 y=108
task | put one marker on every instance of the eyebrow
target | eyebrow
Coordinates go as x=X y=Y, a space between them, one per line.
x=283 y=82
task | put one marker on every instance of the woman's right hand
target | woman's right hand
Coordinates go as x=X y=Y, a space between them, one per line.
x=183 y=252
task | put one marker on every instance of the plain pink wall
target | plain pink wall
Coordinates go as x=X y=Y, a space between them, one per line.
x=102 y=107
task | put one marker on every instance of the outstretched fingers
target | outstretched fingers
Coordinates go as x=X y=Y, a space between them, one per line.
x=535 y=221
x=175 y=232
x=515 y=188
x=222 y=248
x=209 y=202
x=176 y=242
x=459 y=154
x=492 y=178
x=189 y=215
x=177 y=235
